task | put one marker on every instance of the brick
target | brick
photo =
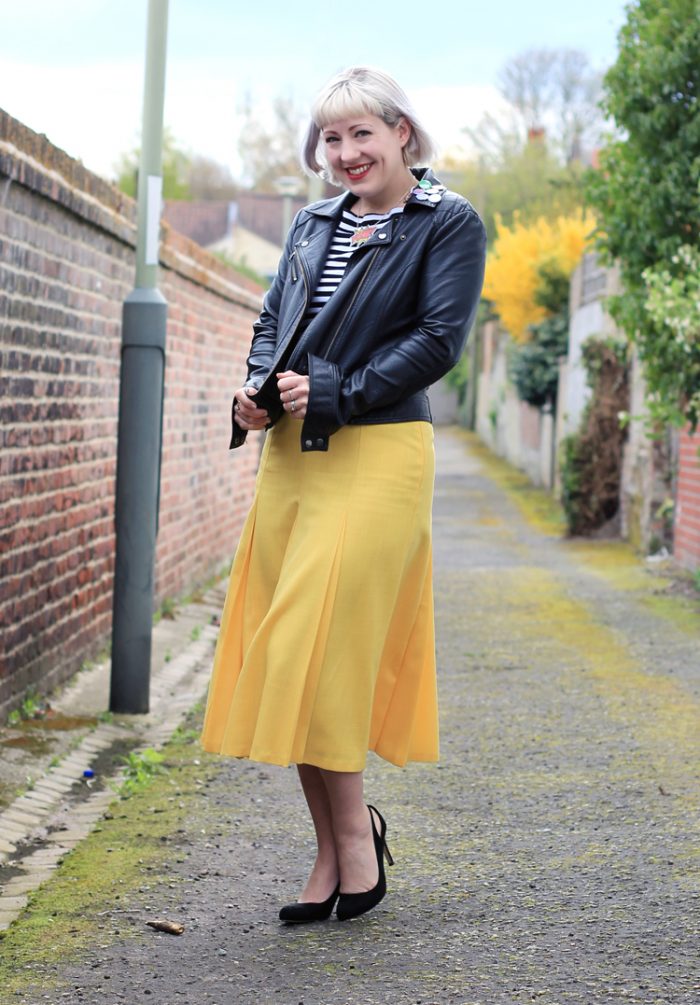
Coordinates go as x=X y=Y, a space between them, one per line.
x=67 y=263
x=687 y=516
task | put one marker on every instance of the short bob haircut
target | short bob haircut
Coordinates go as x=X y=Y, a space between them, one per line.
x=356 y=91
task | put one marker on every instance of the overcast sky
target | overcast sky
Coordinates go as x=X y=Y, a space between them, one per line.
x=73 y=69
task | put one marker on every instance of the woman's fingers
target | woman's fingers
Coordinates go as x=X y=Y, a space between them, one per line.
x=245 y=400
x=245 y=423
x=294 y=393
x=246 y=413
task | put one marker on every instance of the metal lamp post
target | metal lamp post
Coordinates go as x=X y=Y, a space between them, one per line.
x=141 y=406
x=288 y=186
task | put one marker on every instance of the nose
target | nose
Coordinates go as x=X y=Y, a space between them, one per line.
x=349 y=151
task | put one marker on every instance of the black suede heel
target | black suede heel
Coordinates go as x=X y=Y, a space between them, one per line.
x=350 y=905
x=301 y=913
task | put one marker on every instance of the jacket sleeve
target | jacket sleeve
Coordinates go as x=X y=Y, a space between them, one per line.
x=262 y=349
x=450 y=287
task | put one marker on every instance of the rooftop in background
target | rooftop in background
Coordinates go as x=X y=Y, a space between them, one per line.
x=203 y=222
x=248 y=231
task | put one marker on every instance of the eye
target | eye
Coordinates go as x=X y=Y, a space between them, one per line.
x=362 y=132
x=330 y=139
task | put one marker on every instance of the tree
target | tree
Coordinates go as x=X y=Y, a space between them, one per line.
x=271 y=152
x=175 y=170
x=529 y=266
x=527 y=182
x=528 y=160
x=185 y=175
x=646 y=193
x=210 y=180
x=673 y=302
x=534 y=366
x=591 y=461
x=526 y=82
x=553 y=94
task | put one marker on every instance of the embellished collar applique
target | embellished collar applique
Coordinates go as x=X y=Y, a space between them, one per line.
x=428 y=191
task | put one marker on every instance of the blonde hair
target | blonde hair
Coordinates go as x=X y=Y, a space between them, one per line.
x=363 y=90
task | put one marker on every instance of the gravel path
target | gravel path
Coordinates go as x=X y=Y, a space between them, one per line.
x=553 y=855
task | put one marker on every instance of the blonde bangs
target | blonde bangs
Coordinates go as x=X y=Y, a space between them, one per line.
x=344 y=101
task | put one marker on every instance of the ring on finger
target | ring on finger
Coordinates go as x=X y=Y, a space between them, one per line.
x=294 y=405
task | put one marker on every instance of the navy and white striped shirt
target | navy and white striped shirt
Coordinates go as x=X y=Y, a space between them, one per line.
x=340 y=253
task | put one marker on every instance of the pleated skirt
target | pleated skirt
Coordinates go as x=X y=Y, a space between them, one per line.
x=326 y=648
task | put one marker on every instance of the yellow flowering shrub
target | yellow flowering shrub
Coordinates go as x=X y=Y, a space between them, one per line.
x=512 y=277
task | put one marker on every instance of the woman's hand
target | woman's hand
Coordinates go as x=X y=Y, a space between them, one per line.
x=245 y=413
x=294 y=393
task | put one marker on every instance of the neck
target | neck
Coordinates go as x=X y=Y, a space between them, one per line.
x=399 y=192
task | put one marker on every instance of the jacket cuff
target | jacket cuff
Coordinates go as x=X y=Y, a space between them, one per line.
x=238 y=436
x=322 y=416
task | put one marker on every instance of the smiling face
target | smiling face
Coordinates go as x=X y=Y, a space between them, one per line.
x=366 y=155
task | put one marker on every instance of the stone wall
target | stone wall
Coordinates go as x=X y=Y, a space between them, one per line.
x=67 y=255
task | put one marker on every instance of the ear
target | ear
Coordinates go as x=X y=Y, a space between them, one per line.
x=403 y=128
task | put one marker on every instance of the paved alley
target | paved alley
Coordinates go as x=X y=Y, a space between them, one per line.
x=553 y=856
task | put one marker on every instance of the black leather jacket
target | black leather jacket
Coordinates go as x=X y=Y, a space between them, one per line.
x=396 y=324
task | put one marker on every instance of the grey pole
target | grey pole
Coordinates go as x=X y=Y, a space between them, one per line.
x=141 y=406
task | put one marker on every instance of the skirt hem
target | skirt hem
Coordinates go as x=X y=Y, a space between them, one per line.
x=328 y=764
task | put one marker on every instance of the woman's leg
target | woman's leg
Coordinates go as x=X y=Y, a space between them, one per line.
x=324 y=875
x=352 y=830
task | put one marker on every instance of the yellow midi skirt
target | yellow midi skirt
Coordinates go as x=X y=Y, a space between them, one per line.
x=326 y=648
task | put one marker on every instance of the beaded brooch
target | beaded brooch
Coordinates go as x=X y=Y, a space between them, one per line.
x=428 y=191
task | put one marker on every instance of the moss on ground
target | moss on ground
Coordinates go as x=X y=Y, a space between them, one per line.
x=620 y=565
x=540 y=509
x=132 y=846
x=616 y=561
x=659 y=709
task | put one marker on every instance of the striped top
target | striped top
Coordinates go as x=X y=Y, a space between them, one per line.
x=341 y=250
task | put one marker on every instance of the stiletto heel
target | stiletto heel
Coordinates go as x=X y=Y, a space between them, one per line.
x=303 y=912
x=350 y=905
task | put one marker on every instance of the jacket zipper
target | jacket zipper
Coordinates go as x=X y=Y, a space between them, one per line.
x=304 y=305
x=306 y=287
x=349 y=307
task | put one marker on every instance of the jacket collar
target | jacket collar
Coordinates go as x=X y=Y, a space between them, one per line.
x=429 y=184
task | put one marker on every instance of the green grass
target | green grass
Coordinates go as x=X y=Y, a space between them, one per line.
x=107 y=869
x=32 y=705
x=141 y=766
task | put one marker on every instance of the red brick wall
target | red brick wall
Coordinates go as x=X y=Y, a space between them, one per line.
x=686 y=538
x=66 y=263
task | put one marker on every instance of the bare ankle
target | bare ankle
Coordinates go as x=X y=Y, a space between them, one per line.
x=354 y=827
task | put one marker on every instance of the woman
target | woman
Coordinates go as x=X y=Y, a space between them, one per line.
x=326 y=648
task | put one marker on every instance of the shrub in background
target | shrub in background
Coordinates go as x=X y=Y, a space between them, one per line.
x=591 y=461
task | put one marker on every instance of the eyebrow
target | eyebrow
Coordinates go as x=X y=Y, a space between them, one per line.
x=355 y=125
